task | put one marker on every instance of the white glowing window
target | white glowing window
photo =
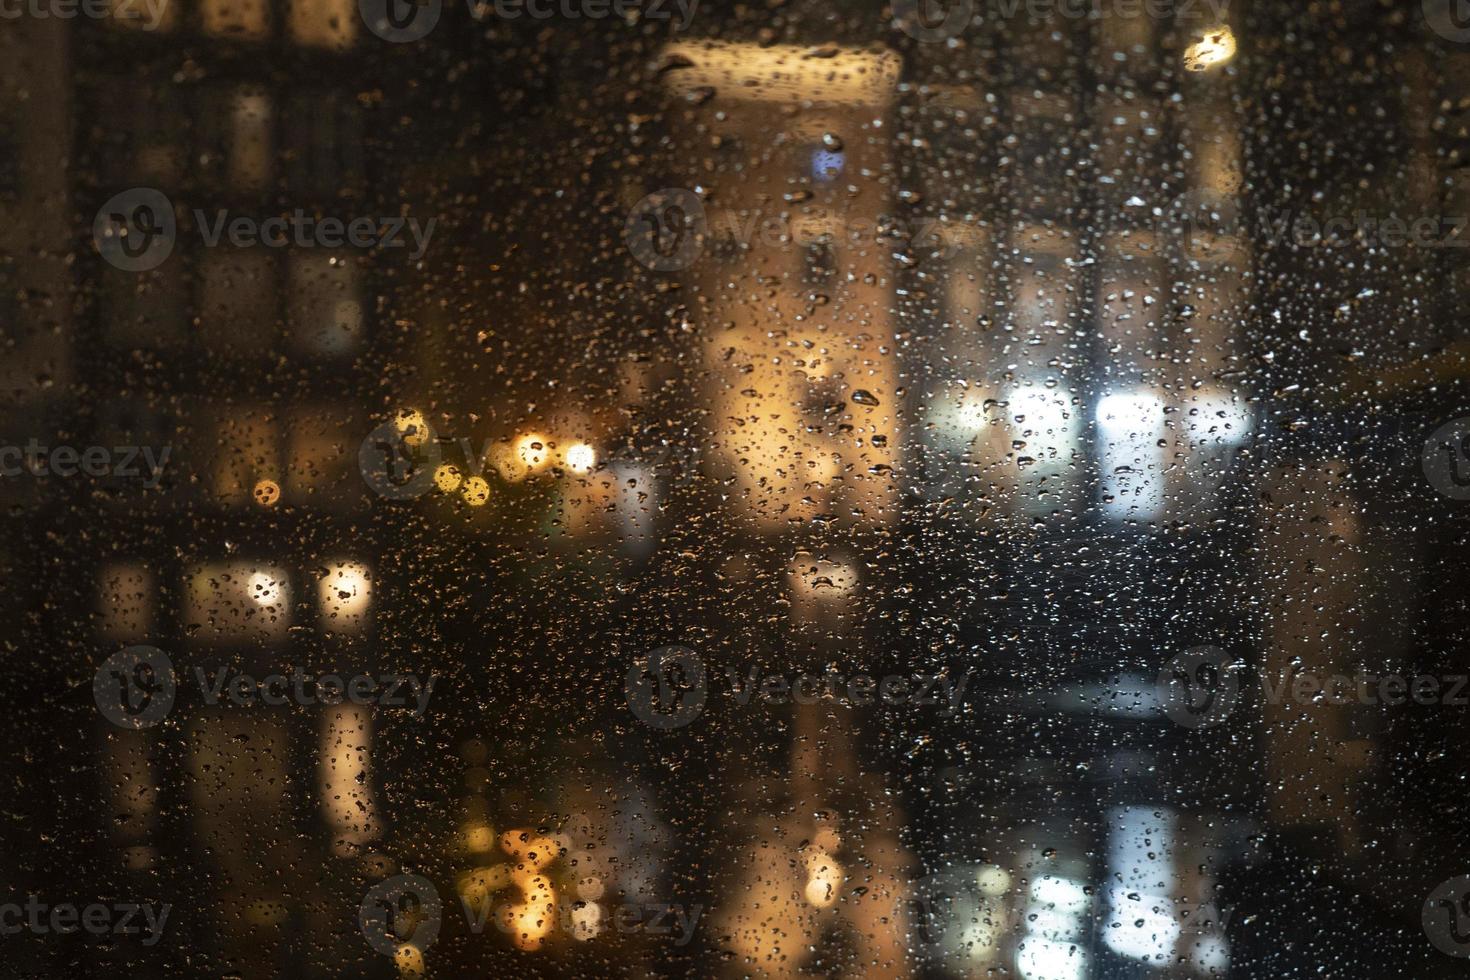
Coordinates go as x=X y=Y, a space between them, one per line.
x=1045 y=959
x=1045 y=432
x=581 y=458
x=956 y=416
x=1141 y=921
x=1215 y=418
x=1056 y=921
x=237 y=601
x=344 y=594
x=1131 y=429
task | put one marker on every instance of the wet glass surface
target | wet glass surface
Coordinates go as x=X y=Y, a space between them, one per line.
x=583 y=488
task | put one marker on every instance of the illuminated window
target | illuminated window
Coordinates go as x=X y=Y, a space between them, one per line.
x=245 y=450
x=321 y=468
x=237 y=602
x=323 y=23
x=344 y=595
x=237 y=19
x=251 y=121
x=326 y=316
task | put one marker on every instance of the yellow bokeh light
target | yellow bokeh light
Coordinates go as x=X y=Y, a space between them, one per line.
x=478 y=885
x=263 y=587
x=581 y=458
x=529 y=923
x=586 y=921
x=266 y=492
x=448 y=478
x=413 y=425
x=533 y=452
x=529 y=848
x=1215 y=48
x=476 y=491
x=346 y=590
x=410 y=960
x=479 y=837
x=825 y=878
